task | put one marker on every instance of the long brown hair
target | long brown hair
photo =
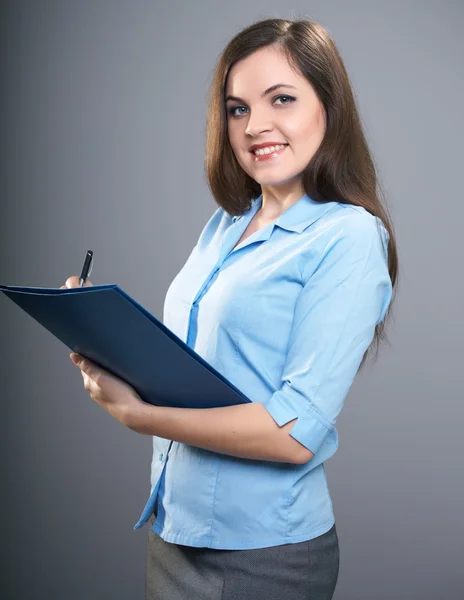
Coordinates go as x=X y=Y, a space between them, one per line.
x=342 y=169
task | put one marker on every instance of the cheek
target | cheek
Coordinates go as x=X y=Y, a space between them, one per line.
x=304 y=129
x=233 y=134
x=236 y=142
x=233 y=141
x=307 y=134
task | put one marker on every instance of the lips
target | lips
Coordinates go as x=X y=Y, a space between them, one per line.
x=272 y=155
x=266 y=145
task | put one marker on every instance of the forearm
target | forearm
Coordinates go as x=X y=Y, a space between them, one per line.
x=244 y=430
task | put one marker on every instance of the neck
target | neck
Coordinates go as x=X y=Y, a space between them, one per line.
x=277 y=198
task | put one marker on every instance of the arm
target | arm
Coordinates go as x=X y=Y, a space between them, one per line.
x=342 y=300
x=245 y=430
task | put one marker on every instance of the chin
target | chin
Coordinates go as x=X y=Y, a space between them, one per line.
x=274 y=180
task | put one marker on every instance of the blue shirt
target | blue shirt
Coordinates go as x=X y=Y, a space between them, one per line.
x=286 y=316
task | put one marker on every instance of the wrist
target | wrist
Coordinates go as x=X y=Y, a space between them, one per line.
x=137 y=417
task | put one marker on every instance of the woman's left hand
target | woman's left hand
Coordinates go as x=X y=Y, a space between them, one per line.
x=116 y=396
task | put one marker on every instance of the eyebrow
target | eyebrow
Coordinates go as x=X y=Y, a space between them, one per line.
x=268 y=91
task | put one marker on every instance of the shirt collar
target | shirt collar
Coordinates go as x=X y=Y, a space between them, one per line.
x=300 y=215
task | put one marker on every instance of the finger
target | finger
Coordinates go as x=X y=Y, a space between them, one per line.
x=86 y=366
x=73 y=282
x=87 y=381
x=78 y=360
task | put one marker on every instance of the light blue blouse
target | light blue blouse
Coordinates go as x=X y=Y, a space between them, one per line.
x=286 y=316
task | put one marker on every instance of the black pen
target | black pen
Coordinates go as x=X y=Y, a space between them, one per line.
x=88 y=262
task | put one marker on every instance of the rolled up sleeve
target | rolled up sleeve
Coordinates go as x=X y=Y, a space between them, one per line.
x=344 y=296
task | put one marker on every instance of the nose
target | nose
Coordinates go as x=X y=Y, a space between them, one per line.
x=257 y=126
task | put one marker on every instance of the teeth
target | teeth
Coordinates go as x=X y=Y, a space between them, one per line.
x=268 y=149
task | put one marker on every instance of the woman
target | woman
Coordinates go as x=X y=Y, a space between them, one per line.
x=286 y=290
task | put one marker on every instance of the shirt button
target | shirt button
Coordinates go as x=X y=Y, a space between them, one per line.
x=161 y=456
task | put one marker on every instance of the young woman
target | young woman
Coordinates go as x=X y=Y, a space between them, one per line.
x=285 y=292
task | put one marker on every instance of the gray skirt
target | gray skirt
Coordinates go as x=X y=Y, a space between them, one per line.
x=302 y=571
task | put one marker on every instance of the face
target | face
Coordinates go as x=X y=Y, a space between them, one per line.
x=258 y=112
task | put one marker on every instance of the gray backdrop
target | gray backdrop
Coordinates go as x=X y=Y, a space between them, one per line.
x=102 y=123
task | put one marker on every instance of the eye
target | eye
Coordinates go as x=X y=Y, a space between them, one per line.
x=232 y=109
x=289 y=98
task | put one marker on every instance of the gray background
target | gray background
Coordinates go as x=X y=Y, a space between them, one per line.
x=102 y=139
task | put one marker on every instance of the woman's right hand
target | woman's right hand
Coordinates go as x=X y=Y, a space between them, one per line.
x=73 y=282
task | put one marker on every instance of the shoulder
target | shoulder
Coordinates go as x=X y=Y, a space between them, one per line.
x=354 y=227
x=354 y=219
x=217 y=223
x=346 y=237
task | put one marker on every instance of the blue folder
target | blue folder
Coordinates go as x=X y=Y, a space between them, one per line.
x=107 y=326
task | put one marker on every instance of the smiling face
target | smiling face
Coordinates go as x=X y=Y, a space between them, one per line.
x=258 y=112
